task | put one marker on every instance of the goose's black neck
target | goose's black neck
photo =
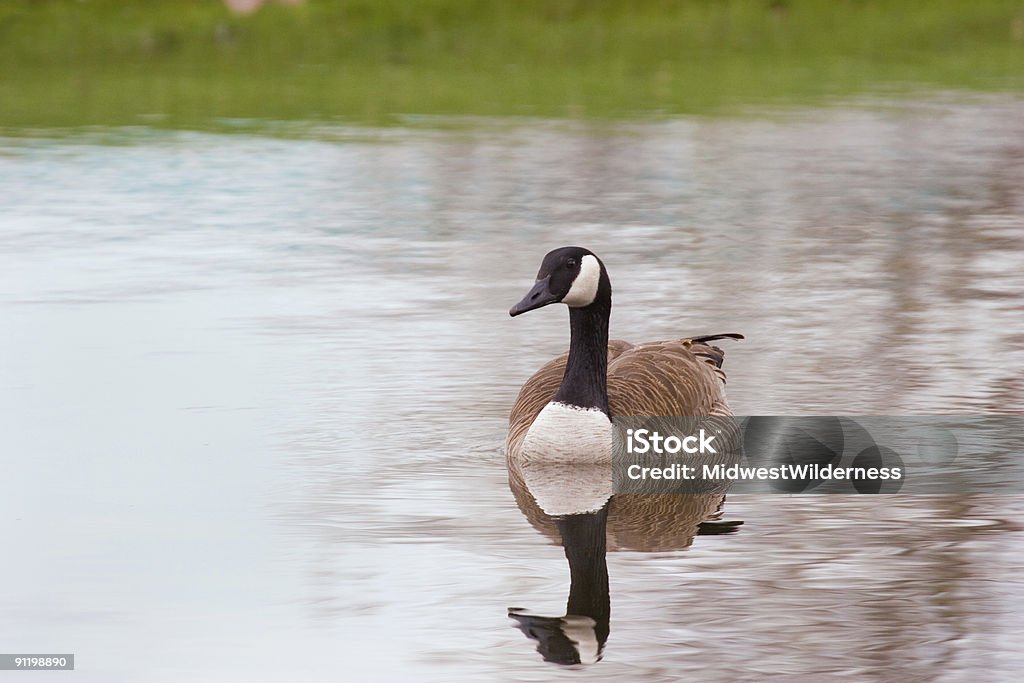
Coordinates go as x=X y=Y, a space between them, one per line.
x=585 y=383
x=585 y=543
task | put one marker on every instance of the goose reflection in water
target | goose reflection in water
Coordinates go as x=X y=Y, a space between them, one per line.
x=572 y=504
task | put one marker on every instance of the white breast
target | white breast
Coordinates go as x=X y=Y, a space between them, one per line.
x=565 y=433
x=566 y=459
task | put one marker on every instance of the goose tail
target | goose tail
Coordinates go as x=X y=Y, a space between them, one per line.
x=699 y=346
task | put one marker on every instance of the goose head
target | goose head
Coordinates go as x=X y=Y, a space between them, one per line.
x=573 y=276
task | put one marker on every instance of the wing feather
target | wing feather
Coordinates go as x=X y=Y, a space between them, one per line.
x=677 y=377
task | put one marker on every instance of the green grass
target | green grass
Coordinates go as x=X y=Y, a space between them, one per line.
x=191 y=64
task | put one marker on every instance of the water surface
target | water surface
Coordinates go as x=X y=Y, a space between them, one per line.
x=253 y=392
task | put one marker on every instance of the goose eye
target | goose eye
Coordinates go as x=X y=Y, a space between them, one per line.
x=571 y=263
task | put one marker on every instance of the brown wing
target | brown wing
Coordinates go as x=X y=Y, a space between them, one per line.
x=681 y=377
x=538 y=390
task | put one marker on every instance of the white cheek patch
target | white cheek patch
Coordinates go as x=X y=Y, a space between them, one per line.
x=581 y=631
x=584 y=287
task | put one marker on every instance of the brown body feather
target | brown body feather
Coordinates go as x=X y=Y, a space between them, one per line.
x=680 y=377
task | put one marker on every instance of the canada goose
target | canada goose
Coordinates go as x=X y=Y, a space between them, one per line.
x=563 y=411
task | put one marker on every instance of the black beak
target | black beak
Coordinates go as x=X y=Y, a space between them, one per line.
x=537 y=297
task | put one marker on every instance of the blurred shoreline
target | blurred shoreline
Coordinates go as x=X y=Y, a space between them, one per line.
x=189 y=64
